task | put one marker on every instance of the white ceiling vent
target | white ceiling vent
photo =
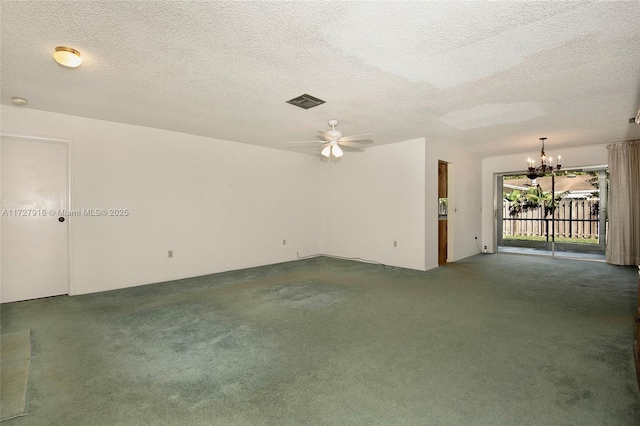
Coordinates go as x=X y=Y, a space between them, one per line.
x=305 y=101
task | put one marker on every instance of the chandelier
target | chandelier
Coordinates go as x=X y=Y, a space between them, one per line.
x=546 y=164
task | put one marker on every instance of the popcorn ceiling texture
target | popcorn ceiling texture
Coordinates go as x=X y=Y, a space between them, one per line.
x=487 y=75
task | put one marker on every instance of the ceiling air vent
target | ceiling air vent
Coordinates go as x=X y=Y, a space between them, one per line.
x=306 y=101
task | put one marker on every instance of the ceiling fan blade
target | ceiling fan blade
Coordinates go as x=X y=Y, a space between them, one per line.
x=325 y=134
x=361 y=138
x=350 y=149
x=303 y=148
x=309 y=142
x=351 y=144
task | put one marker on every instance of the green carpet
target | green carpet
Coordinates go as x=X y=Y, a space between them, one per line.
x=490 y=340
x=15 y=354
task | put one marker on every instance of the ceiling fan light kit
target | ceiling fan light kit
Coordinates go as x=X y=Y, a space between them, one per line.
x=333 y=140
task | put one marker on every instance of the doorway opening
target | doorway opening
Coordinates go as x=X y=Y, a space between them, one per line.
x=443 y=201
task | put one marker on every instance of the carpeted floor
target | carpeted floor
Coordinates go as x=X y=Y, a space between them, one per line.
x=490 y=340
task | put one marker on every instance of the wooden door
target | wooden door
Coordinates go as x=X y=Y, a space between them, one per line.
x=442 y=242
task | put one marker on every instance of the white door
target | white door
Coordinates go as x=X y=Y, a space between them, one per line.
x=35 y=249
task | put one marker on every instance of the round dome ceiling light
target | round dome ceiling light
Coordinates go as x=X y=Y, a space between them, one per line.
x=67 y=57
x=17 y=101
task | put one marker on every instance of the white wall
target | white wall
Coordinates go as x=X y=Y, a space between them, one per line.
x=219 y=205
x=576 y=157
x=373 y=198
x=464 y=220
x=222 y=205
x=390 y=193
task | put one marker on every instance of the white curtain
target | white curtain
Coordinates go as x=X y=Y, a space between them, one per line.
x=623 y=242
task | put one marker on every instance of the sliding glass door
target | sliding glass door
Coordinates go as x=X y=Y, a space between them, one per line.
x=563 y=212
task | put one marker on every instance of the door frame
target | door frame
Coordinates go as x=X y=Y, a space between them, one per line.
x=68 y=143
x=444 y=253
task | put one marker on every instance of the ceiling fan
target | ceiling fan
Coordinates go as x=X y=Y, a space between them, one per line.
x=333 y=141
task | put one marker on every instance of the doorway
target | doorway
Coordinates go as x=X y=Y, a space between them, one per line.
x=34 y=229
x=443 y=210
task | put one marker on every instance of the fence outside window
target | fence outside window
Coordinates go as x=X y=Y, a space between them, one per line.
x=574 y=218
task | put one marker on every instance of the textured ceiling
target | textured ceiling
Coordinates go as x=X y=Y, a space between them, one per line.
x=491 y=76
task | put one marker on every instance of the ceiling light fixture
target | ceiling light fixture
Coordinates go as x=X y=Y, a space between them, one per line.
x=334 y=142
x=332 y=148
x=68 y=57
x=326 y=151
x=18 y=101
x=536 y=172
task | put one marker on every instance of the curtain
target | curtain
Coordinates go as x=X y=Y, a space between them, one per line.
x=623 y=241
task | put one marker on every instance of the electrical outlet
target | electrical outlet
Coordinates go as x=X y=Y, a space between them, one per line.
x=395 y=244
x=170 y=254
x=284 y=242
